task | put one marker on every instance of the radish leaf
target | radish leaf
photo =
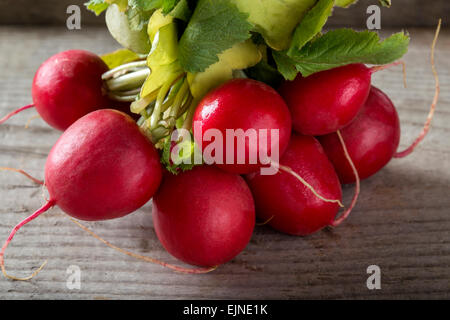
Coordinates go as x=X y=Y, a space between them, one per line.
x=215 y=26
x=119 y=57
x=345 y=3
x=275 y=20
x=97 y=6
x=312 y=24
x=345 y=46
x=286 y=66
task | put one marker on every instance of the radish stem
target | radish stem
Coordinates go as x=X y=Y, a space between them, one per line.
x=2 y=120
x=40 y=211
x=125 y=68
x=347 y=212
x=24 y=173
x=384 y=67
x=144 y=258
x=306 y=184
x=427 y=125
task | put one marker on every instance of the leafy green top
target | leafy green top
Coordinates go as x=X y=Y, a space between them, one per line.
x=214 y=26
x=195 y=45
x=345 y=46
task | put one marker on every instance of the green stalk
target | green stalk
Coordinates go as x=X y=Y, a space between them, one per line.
x=123 y=69
x=190 y=115
x=123 y=98
x=181 y=96
x=141 y=104
x=128 y=81
x=160 y=100
x=185 y=106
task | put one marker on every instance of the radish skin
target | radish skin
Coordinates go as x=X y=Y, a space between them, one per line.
x=372 y=139
x=67 y=86
x=102 y=167
x=244 y=104
x=327 y=101
x=290 y=205
x=205 y=216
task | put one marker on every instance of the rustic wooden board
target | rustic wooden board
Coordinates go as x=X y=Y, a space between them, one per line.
x=402 y=221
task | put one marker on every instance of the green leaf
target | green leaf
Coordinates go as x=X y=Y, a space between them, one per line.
x=97 y=6
x=122 y=4
x=137 y=18
x=163 y=34
x=147 y=5
x=345 y=46
x=119 y=57
x=266 y=73
x=169 y=5
x=187 y=150
x=276 y=20
x=181 y=11
x=215 y=26
x=312 y=24
x=118 y=24
x=386 y=3
x=345 y=3
x=286 y=66
x=240 y=56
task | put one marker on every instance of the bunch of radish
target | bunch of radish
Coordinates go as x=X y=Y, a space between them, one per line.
x=332 y=128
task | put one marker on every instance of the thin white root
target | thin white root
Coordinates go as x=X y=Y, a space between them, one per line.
x=347 y=212
x=306 y=184
x=427 y=125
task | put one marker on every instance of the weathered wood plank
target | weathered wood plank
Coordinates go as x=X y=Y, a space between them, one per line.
x=401 y=223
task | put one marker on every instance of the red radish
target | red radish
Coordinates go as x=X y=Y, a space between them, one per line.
x=290 y=205
x=372 y=139
x=109 y=161
x=327 y=101
x=205 y=216
x=68 y=86
x=102 y=167
x=247 y=105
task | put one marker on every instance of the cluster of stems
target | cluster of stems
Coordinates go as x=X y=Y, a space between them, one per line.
x=161 y=111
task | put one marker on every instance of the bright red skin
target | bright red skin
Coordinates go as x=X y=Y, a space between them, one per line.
x=327 y=101
x=204 y=217
x=102 y=167
x=244 y=104
x=68 y=86
x=372 y=139
x=292 y=208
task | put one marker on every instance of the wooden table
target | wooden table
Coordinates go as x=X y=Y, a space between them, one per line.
x=401 y=224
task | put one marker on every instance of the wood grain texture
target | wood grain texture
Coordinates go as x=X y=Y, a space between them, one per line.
x=401 y=223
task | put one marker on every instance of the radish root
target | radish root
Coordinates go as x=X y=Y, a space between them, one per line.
x=40 y=211
x=387 y=66
x=347 y=212
x=265 y=222
x=426 y=127
x=306 y=184
x=144 y=258
x=36 y=116
x=37 y=181
x=2 y=120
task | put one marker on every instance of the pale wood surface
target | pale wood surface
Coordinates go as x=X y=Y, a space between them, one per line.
x=402 y=221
